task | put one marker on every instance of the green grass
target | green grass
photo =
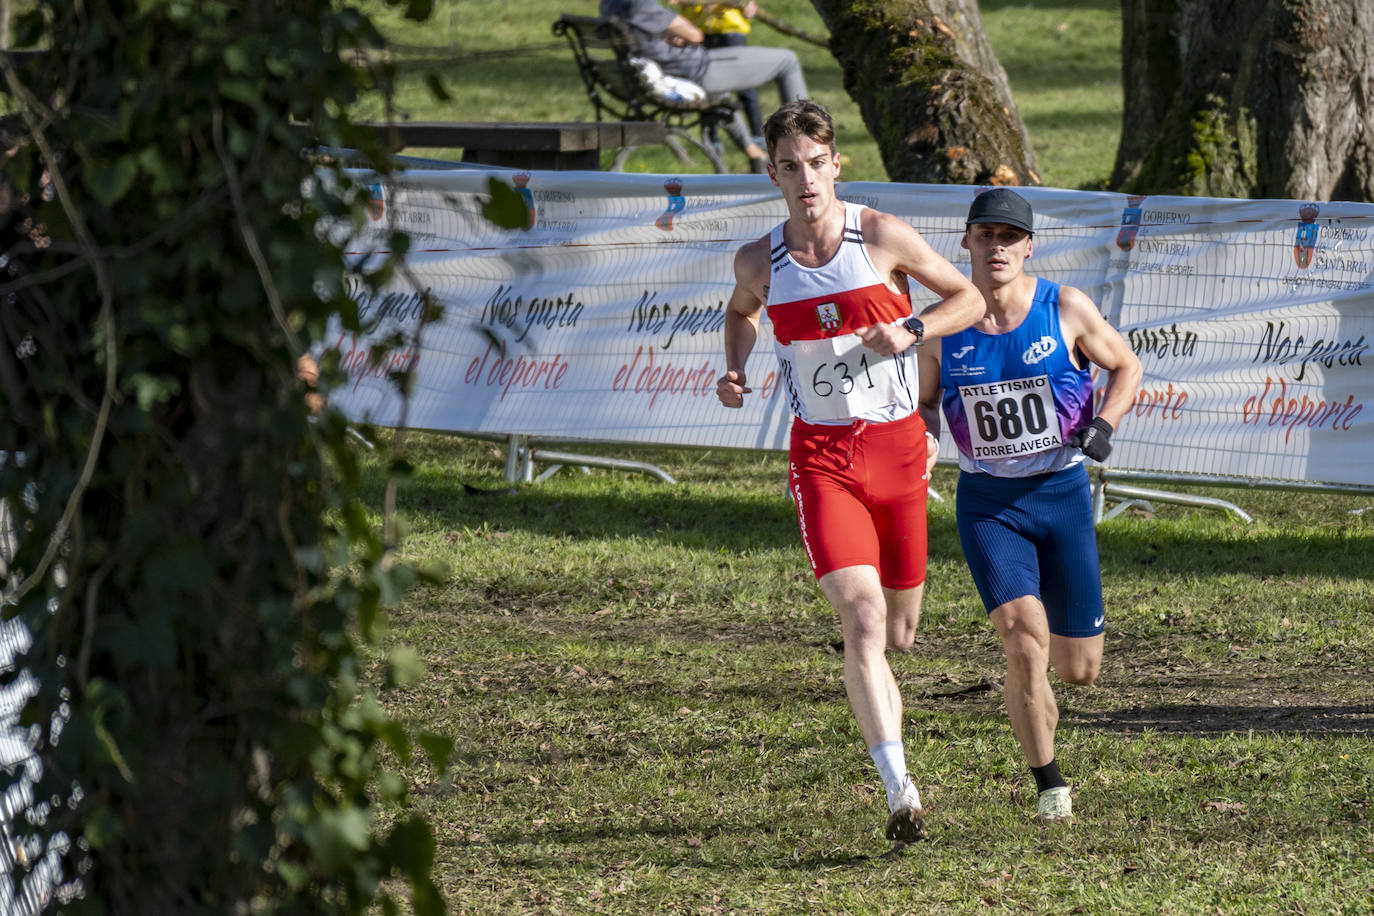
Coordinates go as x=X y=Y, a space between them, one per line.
x=645 y=693
x=1063 y=62
x=643 y=684
x=500 y=61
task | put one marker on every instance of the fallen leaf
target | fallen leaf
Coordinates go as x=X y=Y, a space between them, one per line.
x=1224 y=806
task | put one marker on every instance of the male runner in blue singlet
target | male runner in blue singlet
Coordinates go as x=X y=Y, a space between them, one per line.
x=1018 y=394
x=834 y=278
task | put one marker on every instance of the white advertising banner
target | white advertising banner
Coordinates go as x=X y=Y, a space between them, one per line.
x=601 y=319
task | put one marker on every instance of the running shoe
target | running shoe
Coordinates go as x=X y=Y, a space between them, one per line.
x=907 y=823
x=1055 y=806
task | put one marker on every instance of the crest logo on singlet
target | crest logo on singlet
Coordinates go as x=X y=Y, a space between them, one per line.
x=828 y=315
x=1039 y=350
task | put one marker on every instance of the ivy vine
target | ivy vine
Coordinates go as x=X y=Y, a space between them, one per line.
x=197 y=580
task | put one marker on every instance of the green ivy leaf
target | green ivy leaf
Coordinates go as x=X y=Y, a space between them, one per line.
x=101 y=828
x=247 y=91
x=404 y=667
x=394 y=736
x=426 y=898
x=506 y=208
x=412 y=844
x=438 y=748
x=337 y=835
x=368 y=607
x=108 y=183
x=238 y=58
x=391 y=787
x=295 y=876
x=152 y=390
x=165 y=178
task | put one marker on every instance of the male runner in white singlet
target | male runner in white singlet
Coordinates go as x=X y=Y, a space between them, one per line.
x=833 y=278
x=1017 y=390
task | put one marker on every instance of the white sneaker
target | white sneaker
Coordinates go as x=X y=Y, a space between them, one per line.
x=907 y=823
x=1055 y=806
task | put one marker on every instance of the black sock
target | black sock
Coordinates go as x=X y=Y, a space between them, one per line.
x=1047 y=776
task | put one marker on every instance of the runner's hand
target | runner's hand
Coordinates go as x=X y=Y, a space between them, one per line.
x=885 y=339
x=1094 y=439
x=730 y=388
x=932 y=453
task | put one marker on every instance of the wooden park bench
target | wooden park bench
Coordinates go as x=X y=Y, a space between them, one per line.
x=626 y=88
x=523 y=145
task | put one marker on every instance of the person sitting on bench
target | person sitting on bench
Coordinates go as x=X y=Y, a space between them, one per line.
x=676 y=45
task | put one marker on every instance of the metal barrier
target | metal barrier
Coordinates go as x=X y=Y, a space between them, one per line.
x=1106 y=484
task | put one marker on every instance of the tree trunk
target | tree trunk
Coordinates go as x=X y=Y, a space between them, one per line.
x=930 y=90
x=1248 y=98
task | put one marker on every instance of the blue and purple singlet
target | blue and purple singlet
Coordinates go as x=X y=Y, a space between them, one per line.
x=1012 y=399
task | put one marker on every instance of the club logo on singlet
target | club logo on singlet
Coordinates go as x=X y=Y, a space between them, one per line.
x=1039 y=350
x=828 y=316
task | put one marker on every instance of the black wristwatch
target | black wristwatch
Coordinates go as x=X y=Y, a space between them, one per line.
x=917 y=327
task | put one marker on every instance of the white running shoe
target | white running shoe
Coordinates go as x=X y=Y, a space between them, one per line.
x=1055 y=806
x=907 y=823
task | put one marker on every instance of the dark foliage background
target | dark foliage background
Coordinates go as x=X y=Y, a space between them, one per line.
x=198 y=575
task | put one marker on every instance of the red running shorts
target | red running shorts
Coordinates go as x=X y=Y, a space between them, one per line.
x=860 y=492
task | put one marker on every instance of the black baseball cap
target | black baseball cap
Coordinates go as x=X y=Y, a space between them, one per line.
x=1001 y=205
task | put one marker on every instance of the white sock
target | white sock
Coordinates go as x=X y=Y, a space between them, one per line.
x=891 y=763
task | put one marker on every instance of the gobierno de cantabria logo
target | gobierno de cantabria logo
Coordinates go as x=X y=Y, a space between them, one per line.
x=1305 y=241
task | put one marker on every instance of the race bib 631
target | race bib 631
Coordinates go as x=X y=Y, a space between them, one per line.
x=840 y=378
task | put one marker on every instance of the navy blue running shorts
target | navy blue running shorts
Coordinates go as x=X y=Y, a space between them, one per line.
x=1034 y=536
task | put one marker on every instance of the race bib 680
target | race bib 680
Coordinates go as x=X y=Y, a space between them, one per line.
x=1013 y=417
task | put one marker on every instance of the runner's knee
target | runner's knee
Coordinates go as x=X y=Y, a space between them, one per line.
x=865 y=625
x=1024 y=651
x=1080 y=669
x=901 y=634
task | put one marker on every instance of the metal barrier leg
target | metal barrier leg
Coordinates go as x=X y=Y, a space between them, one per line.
x=521 y=454
x=615 y=464
x=514 y=445
x=555 y=468
x=527 y=463
x=1181 y=499
x=1121 y=507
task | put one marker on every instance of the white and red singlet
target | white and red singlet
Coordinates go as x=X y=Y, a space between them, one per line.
x=858 y=447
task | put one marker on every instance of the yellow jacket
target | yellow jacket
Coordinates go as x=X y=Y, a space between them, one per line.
x=715 y=18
